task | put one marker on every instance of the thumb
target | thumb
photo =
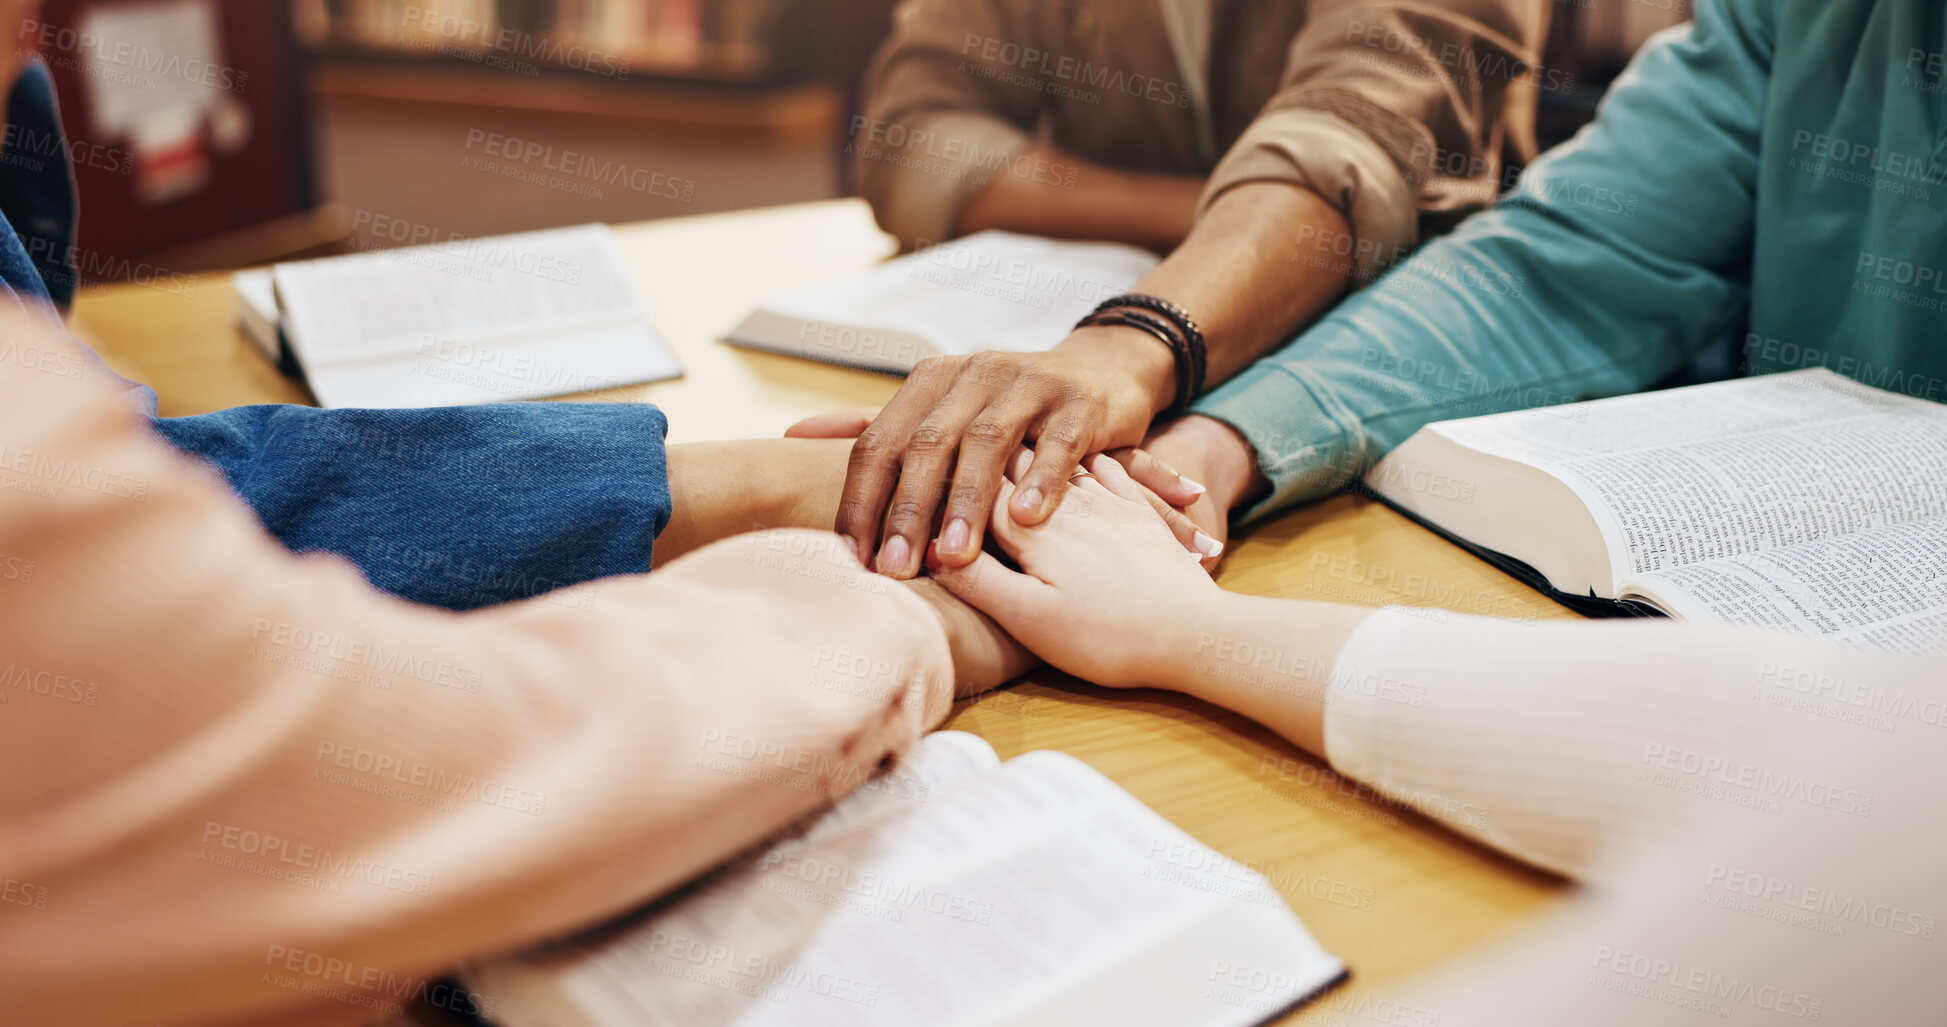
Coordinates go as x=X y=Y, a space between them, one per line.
x=839 y=424
x=1011 y=598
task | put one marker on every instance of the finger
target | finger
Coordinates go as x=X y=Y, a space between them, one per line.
x=1018 y=464
x=1014 y=600
x=1158 y=477
x=1109 y=471
x=838 y=424
x=873 y=468
x=1009 y=536
x=1058 y=451
x=1194 y=540
x=931 y=451
x=989 y=443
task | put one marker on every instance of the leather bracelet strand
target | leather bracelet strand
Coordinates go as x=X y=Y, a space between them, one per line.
x=1183 y=322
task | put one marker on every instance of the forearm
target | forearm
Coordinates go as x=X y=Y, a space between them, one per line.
x=1267 y=659
x=1242 y=276
x=1075 y=199
x=722 y=489
x=985 y=656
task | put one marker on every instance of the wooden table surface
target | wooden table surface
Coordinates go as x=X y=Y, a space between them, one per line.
x=1386 y=890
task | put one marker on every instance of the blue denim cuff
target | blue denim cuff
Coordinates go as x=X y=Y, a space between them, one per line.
x=459 y=507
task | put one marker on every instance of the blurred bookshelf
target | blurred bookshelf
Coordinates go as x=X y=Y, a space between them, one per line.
x=710 y=42
x=747 y=99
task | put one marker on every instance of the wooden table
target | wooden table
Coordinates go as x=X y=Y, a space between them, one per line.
x=1230 y=783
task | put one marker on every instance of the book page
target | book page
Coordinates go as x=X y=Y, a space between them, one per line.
x=983 y=904
x=1882 y=588
x=396 y=303
x=1713 y=471
x=941 y=759
x=991 y=290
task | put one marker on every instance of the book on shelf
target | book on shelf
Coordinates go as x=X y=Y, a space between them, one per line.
x=991 y=290
x=1803 y=502
x=732 y=39
x=476 y=320
x=955 y=891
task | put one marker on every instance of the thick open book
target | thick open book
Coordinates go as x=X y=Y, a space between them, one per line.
x=991 y=290
x=469 y=321
x=1804 y=502
x=953 y=891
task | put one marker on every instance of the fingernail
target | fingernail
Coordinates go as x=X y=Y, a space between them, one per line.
x=852 y=546
x=1195 y=487
x=933 y=556
x=895 y=555
x=1029 y=499
x=957 y=538
x=1208 y=546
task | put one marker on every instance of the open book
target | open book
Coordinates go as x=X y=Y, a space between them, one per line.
x=953 y=891
x=1804 y=502
x=469 y=321
x=990 y=290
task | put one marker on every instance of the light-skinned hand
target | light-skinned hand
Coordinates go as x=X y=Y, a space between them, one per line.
x=936 y=455
x=1105 y=591
x=1192 y=518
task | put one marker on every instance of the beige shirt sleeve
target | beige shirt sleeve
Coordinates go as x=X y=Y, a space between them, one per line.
x=1568 y=745
x=238 y=786
x=1397 y=111
x=940 y=120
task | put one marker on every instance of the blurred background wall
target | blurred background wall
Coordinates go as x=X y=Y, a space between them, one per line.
x=333 y=124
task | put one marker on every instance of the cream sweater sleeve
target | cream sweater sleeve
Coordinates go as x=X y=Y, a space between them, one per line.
x=238 y=786
x=1566 y=745
x=1763 y=810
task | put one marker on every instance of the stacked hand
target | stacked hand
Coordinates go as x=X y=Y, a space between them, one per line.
x=1196 y=518
x=1105 y=591
x=931 y=463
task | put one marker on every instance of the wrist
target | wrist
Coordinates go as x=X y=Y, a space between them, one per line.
x=984 y=656
x=1143 y=369
x=1271 y=660
x=1216 y=455
x=1196 y=635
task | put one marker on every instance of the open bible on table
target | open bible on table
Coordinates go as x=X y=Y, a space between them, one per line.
x=955 y=890
x=1803 y=502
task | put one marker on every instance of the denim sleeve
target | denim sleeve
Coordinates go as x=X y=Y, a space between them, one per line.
x=1616 y=258
x=459 y=507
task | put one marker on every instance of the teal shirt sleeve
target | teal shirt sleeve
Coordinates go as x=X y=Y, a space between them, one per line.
x=1615 y=259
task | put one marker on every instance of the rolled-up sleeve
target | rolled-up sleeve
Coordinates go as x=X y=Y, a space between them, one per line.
x=1397 y=113
x=940 y=115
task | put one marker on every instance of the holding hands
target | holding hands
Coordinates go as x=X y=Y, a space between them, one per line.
x=936 y=455
x=1106 y=594
x=1105 y=591
x=1196 y=518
